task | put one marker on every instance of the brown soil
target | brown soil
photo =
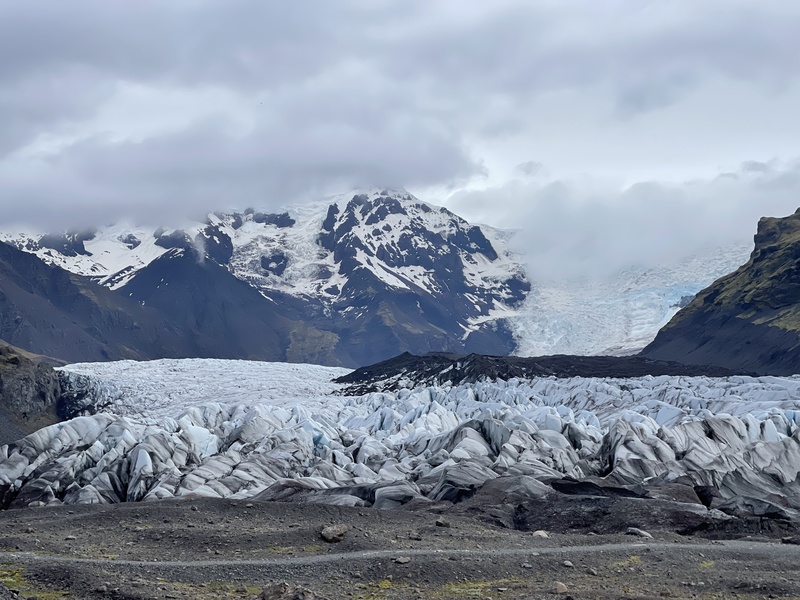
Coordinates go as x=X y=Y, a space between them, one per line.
x=204 y=548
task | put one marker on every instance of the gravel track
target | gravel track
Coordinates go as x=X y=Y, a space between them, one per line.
x=211 y=549
x=722 y=548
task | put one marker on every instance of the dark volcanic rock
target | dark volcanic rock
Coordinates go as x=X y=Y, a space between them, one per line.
x=7 y=594
x=275 y=264
x=29 y=390
x=130 y=240
x=216 y=243
x=408 y=370
x=68 y=244
x=607 y=514
x=748 y=320
x=50 y=311
x=175 y=239
x=26 y=387
x=279 y=220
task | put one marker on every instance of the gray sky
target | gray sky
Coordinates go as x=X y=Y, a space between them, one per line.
x=559 y=116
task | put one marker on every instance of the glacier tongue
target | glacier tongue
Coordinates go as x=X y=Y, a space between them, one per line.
x=618 y=315
x=166 y=387
x=236 y=429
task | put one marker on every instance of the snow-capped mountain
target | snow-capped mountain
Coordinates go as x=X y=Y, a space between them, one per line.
x=619 y=315
x=348 y=280
x=360 y=277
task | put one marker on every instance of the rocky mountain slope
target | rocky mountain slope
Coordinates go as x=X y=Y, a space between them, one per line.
x=362 y=277
x=749 y=319
x=350 y=280
x=48 y=310
x=29 y=394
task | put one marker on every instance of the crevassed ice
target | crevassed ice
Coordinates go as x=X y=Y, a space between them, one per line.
x=238 y=429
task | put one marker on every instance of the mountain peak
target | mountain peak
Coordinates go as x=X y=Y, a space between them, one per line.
x=374 y=264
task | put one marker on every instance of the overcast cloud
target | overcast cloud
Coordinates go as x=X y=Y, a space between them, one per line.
x=591 y=227
x=580 y=121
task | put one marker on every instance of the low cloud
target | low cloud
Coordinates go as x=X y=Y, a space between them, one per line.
x=589 y=228
x=530 y=168
x=195 y=106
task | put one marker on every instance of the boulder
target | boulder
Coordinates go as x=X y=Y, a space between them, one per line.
x=334 y=533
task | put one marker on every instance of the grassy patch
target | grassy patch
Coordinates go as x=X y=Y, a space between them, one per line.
x=380 y=590
x=707 y=564
x=631 y=561
x=14 y=578
x=225 y=587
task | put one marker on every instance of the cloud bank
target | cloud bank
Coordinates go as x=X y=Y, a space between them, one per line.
x=169 y=109
x=589 y=228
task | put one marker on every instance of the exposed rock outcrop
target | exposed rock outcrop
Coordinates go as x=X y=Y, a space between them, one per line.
x=29 y=390
x=409 y=371
x=748 y=320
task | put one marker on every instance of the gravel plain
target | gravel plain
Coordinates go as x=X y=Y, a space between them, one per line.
x=204 y=548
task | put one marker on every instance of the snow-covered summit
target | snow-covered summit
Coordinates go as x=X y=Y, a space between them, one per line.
x=350 y=257
x=349 y=279
x=307 y=250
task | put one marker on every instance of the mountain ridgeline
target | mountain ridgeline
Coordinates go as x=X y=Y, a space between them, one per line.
x=358 y=279
x=750 y=319
x=347 y=282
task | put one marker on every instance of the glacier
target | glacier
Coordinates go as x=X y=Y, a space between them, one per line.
x=272 y=431
x=618 y=314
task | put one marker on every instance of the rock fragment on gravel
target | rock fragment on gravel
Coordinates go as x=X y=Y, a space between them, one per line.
x=540 y=533
x=441 y=522
x=568 y=564
x=793 y=540
x=560 y=588
x=334 y=533
x=639 y=533
x=402 y=560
